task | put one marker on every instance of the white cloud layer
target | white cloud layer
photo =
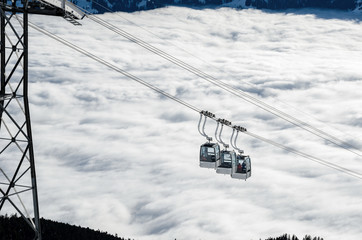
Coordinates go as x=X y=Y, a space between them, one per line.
x=113 y=155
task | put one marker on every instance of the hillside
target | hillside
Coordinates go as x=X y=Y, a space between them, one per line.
x=15 y=228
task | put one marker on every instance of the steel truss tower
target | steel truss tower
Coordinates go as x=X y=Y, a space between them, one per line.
x=18 y=184
x=17 y=167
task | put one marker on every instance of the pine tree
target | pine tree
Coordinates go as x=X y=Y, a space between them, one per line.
x=307 y=237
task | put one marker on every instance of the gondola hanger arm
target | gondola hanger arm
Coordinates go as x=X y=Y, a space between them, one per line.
x=218 y=134
x=233 y=139
x=205 y=114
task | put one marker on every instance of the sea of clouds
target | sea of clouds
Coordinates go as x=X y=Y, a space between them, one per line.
x=115 y=156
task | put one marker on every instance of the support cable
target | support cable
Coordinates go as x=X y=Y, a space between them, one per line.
x=112 y=66
x=150 y=32
x=233 y=90
x=191 y=107
x=307 y=156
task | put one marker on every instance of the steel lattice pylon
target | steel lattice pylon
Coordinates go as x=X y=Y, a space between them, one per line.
x=17 y=169
x=18 y=185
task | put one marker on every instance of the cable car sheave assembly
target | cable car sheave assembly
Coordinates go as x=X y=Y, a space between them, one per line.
x=237 y=165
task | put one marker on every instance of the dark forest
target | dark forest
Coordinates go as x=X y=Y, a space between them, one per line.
x=15 y=228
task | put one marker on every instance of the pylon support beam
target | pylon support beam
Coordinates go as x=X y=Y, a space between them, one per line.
x=16 y=146
x=17 y=165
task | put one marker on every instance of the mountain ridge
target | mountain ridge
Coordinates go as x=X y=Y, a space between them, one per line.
x=136 y=5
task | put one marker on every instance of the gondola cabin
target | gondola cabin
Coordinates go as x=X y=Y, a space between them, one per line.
x=241 y=168
x=209 y=155
x=226 y=159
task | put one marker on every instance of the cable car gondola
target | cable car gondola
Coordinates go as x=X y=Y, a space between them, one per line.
x=209 y=152
x=226 y=160
x=209 y=155
x=226 y=156
x=241 y=168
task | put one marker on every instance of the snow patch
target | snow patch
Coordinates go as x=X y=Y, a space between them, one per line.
x=236 y=4
x=84 y=4
x=142 y=4
x=358 y=6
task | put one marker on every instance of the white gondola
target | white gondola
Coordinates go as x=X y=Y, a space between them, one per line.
x=241 y=167
x=226 y=160
x=209 y=155
x=209 y=152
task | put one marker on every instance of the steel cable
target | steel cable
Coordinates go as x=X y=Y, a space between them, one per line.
x=237 y=92
x=128 y=75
